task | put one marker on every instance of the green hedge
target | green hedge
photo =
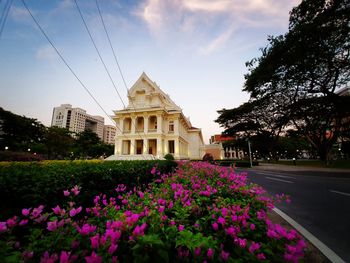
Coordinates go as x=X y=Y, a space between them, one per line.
x=236 y=163
x=31 y=184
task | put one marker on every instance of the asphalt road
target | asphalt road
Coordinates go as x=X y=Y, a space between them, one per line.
x=320 y=203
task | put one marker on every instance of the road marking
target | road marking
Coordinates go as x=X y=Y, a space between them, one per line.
x=330 y=254
x=277 y=175
x=338 y=192
x=280 y=180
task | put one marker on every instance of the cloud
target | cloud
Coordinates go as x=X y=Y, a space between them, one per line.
x=203 y=19
x=46 y=53
x=20 y=14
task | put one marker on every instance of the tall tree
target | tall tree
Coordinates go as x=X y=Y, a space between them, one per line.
x=300 y=72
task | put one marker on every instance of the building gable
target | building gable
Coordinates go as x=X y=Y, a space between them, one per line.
x=146 y=94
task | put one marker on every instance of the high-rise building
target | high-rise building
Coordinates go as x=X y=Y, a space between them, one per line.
x=109 y=133
x=77 y=120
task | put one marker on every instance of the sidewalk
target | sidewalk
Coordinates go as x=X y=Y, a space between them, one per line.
x=296 y=168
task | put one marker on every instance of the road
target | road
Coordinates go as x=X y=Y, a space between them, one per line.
x=320 y=202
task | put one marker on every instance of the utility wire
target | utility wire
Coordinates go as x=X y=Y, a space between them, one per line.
x=104 y=64
x=98 y=52
x=66 y=63
x=115 y=59
x=5 y=15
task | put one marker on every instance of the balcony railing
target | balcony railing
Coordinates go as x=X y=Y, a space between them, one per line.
x=152 y=130
x=126 y=131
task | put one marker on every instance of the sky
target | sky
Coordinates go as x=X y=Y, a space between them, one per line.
x=195 y=50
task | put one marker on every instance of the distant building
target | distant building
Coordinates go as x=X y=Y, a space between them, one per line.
x=226 y=152
x=109 y=132
x=152 y=125
x=77 y=120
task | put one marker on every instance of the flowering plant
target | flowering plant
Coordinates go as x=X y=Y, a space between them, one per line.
x=200 y=213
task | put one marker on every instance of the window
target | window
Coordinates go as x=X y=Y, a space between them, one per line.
x=171 y=126
x=171 y=145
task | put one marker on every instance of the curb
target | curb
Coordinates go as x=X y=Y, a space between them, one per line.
x=330 y=254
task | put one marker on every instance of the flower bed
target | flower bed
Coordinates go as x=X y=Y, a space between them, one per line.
x=201 y=213
x=30 y=184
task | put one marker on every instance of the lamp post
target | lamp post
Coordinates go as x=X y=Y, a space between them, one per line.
x=250 y=153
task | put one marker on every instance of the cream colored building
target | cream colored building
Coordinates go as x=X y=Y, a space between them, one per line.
x=77 y=120
x=109 y=132
x=152 y=125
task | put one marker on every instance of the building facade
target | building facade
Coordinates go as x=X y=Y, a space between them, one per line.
x=227 y=151
x=153 y=125
x=109 y=132
x=77 y=120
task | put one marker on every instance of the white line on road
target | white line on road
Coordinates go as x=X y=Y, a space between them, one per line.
x=280 y=180
x=276 y=175
x=330 y=254
x=338 y=192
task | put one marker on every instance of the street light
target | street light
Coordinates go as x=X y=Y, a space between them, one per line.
x=250 y=153
x=28 y=149
x=6 y=148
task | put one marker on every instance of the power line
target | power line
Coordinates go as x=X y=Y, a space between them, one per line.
x=104 y=64
x=5 y=15
x=66 y=63
x=98 y=52
x=116 y=60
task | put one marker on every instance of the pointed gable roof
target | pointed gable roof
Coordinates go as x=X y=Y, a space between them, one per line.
x=145 y=93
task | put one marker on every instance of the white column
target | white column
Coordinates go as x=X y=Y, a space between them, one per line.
x=132 y=146
x=133 y=125
x=145 y=125
x=166 y=147
x=117 y=147
x=159 y=124
x=121 y=125
x=145 y=146
x=159 y=147
x=176 y=127
x=177 y=148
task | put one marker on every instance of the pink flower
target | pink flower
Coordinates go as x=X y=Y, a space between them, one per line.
x=26 y=212
x=66 y=193
x=181 y=228
x=161 y=209
x=141 y=195
x=139 y=230
x=11 y=222
x=75 y=190
x=210 y=253
x=215 y=226
x=197 y=251
x=74 y=212
x=221 y=221
x=154 y=170
x=261 y=256
x=95 y=241
x=112 y=249
x=37 y=211
x=46 y=258
x=3 y=227
x=52 y=226
x=252 y=226
x=23 y=222
x=28 y=254
x=64 y=257
x=93 y=258
x=86 y=229
x=253 y=247
x=224 y=255
x=58 y=211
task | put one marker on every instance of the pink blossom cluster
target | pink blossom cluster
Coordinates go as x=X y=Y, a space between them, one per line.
x=200 y=213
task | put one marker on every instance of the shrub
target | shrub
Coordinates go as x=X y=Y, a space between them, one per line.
x=29 y=184
x=10 y=156
x=169 y=157
x=208 y=157
x=201 y=213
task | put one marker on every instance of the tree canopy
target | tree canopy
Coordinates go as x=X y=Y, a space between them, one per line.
x=294 y=83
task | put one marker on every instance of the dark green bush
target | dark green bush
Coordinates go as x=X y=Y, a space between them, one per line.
x=31 y=184
x=169 y=157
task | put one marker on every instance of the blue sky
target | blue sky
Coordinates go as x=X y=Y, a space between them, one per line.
x=195 y=50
